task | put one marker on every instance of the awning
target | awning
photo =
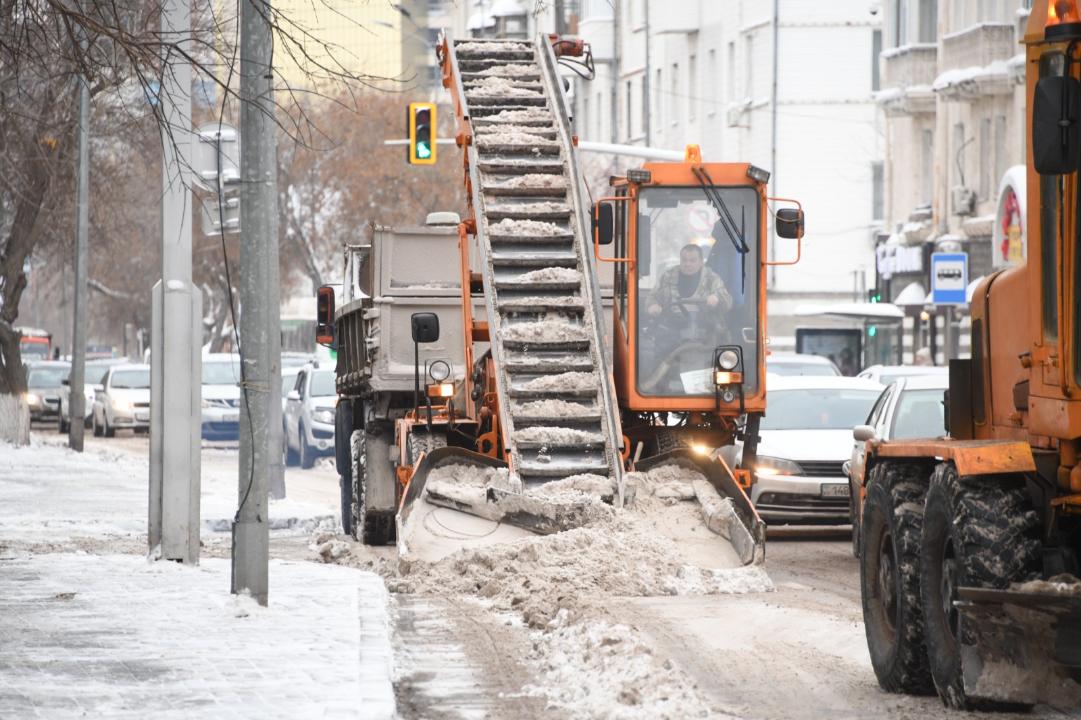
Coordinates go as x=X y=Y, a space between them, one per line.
x=913 y=294
x=855 y=311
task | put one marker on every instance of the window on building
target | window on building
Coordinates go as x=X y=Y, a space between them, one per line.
x=692 y=87
x=711 y=82
x=927 y=150
x=1000 y=150
x=730 y=72
x=986 y=157
x=876 y=51
x=676 y=101
x=878 y=194
x=900 y=23
x=928 y=21
x=748 y=67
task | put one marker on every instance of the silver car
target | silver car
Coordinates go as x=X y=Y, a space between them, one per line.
x=43 y=383
x=123 y=401
x=309 y=416
x=93 y=376
x=912 y=407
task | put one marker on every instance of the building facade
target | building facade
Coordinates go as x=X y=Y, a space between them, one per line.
x=953 y=95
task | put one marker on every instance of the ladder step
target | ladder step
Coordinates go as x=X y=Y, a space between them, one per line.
x=561 y=259
x=540 y=303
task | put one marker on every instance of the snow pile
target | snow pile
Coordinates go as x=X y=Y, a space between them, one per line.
x=544 y=331
x=535 y=228
x=1064 y=584
x=500 y=87
x=551 y=408
x=511 y=70
x=534 y=208
x=534 y=180
x=481 y=48
x=563 y=301
x=557 y=436
x=598 y=669
x=514 y=138
x=665 y=483
x=472 y=475
x=550 y=274
x=587 y=483
x=563 y=382
x=520 y=116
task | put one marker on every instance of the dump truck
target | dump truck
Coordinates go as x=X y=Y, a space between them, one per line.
x=969 y=544
x=522 y=372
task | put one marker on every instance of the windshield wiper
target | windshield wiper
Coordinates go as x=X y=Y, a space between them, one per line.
x=735 y=234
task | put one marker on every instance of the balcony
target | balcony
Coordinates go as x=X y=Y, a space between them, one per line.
x=907 y=75
x=979 y=46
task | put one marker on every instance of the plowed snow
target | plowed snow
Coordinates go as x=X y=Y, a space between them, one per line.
x=510 y=70
x=557 y=436
x=486 y=48
x=551 y=408
x=544 y=331
x=563 y=382
x=535 y=228
x=550 y=274
x=515 y=138
x=533 y=180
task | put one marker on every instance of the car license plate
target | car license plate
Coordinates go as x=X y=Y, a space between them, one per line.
x=835 y=490
x=231 y=417
x=142 y=416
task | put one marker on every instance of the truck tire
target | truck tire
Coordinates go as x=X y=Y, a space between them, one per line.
x=889 y=578
x=343 y=433
x=977 y=532
x=372 y=526
x=854 y=518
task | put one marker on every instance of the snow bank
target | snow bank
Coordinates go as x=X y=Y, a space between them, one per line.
x=544 y=331
x=539 y=228
x=563 y=382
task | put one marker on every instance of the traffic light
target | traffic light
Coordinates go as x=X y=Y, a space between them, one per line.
x=874 y=296
x=421 y=121
x=872 y=330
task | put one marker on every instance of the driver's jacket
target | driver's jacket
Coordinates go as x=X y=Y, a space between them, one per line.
x=666 y=294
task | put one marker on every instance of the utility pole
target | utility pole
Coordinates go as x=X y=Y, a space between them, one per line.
x=260 y=324
x=176 y=320
x=77 y=398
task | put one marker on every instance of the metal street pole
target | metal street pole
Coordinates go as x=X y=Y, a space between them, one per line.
x=77 y=398
x=176 y=321
x=773 y=134
x=260 y=325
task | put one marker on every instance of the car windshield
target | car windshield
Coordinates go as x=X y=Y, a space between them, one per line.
x=221 y=372
x=802 y=369
x=322 y=384
x=818 y=408
x=47 y=377
x=131 y=379
x=34 y=351
x=95 y=374
x=920 y=413
x=696 y=291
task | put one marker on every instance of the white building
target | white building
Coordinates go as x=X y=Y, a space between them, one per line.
x=702 y=71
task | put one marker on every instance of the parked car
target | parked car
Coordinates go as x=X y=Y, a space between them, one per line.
x=911 y=407
x=886 y=374
x=123 y=402
x=43 y=382
x=786 y=363
x=289 y=381
x=221 y=397
x=806 y=436
x=309 y=416
x=93 y=376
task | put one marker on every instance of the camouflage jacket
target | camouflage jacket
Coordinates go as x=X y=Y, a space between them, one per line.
x=666 y=294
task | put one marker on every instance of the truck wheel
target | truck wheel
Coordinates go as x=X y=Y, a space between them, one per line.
x=372 y=527
x=345 y=493
x=307 y=456
x=106 y=430
x=977 y=532
x=343 y=432
x=889 y=578
x=94 y=424
x=854 y=518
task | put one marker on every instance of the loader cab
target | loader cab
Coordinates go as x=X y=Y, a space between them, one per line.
x=689 y=301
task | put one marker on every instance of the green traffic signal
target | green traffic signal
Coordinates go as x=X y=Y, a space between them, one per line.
x=424 y=150
x=872 y=331
x=421 y=130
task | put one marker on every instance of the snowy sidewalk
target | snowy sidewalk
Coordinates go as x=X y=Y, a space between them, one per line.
x=114 y=635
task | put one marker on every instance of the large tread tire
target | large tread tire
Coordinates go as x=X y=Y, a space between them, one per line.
x=343 y=432
x=854 y=518
x=889 y=577
x=369 y=527
x=977 y=532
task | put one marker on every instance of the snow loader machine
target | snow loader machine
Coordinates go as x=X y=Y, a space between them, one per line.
x=969 y=544
x=558 y=386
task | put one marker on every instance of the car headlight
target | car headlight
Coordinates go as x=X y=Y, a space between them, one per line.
x=32 y=399
x=766 y=466
x=323 y=416
x=124 y=405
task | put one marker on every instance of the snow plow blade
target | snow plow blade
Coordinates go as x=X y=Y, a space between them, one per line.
x=737 y=521
x=495 y=514
x=1021 y=646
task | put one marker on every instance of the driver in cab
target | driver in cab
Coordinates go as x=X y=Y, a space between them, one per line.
x=691 y=281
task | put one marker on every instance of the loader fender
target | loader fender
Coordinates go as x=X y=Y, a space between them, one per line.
x=738 y=522
x=971 y=457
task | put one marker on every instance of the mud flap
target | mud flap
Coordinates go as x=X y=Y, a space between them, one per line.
x=737 y=521
x=1021 y=647
x=500 y=506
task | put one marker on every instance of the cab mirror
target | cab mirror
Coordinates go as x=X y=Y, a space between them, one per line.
x=863 y=433
x=324 y=320
x=425 y=327
x=66 y=382
x=1056 y=125
x=603 y=223
x=789 y=223
x=293 y=395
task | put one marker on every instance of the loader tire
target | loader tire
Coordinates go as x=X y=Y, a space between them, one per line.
x=343 y=434
x=371 y=527
x=889 y=578
x=977 y=532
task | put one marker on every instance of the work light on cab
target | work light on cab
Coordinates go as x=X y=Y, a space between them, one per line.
x=1063 y=20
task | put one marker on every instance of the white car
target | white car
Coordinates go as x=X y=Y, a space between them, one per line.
x=93 y=377
x=886 y=374
x=805 y=438
x=309 y=416
x=221 y=397
x=911 y=407
x=123 y=401
x=787 y=363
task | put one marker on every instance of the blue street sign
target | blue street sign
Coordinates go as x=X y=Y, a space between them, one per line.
x=949 y=278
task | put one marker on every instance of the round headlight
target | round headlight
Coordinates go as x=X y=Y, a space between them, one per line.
x=728 y=360
x=439 y=370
